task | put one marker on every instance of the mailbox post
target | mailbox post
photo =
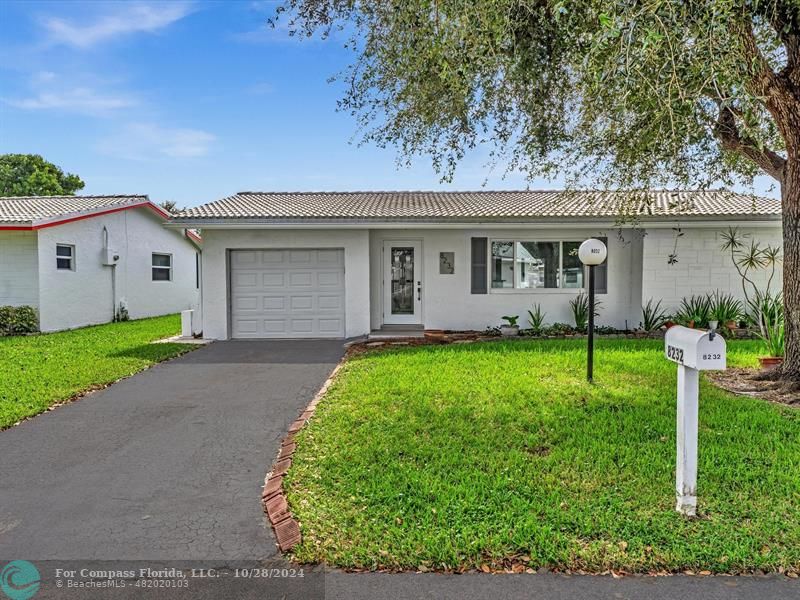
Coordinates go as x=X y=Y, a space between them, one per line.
x=694 y=350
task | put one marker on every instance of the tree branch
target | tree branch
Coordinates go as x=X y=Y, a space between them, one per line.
x=732 y=139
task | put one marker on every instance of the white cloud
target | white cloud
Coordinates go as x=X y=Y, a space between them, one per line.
x=142 y=141
x=80 y=100
x=131 y=18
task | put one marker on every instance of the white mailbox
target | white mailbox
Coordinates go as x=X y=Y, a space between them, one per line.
x=694 y=350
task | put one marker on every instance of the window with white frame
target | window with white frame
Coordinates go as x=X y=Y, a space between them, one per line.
x=65 y=257
x=523 y=265
x=162 y=267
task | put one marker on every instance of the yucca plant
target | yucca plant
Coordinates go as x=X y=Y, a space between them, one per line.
x=694 y=311
x=536 y=318
x=724 y=308
x=653 y=317
x=774 y=334
x=765 y=308
x=580 y=311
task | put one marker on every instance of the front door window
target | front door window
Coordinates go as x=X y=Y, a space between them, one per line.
x=402 y=281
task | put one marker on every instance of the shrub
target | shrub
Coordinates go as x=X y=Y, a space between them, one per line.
x=558 y=329
x=16 y=320
x=774 y=335
x=536 y=318
x=653 y=317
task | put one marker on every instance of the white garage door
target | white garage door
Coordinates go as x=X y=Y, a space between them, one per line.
x=287 y=293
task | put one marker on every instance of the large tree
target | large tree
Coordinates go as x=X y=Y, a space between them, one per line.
x=32 y=175
x=625 y=95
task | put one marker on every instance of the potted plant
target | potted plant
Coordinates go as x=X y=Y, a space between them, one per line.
x=774 y=338
x=725 y=309
x=510 y=329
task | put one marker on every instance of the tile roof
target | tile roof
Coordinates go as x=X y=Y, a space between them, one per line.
x=477 y=206
x=29 y=209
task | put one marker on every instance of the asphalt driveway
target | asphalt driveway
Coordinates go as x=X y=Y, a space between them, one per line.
x=166 y=465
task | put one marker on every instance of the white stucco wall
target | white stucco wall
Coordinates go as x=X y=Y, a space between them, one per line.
x=216 y=243
x=448 y=303
x=71 y=299
x=702 y=266
x=19 y=277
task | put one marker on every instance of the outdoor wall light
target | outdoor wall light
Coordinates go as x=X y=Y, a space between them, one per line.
x=592 y=252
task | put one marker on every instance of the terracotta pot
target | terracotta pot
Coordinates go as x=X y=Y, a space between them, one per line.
x=770 y=362
x=731 y=325
x=669 y=324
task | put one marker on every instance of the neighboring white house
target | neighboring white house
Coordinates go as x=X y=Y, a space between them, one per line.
x=78 y=259
x=342 y=264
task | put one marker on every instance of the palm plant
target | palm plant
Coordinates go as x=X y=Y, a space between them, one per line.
x=748 y=258
x=653 y=317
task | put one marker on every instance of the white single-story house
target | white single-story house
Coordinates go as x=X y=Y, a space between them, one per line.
x=295 y=265
x=79 y=259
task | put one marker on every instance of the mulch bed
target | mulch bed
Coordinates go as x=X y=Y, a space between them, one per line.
x=746 y=382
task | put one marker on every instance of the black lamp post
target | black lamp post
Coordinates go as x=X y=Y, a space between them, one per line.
x=592 y=252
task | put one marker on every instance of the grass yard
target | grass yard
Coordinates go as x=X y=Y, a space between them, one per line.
x=500 y=454
x=41 y=370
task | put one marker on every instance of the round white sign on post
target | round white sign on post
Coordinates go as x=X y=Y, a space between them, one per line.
x=592 y=252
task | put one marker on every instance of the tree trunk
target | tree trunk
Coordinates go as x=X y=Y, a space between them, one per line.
x=790 y=193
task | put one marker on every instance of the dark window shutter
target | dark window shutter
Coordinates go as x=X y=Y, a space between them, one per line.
x=601 y=273
x=479 y=264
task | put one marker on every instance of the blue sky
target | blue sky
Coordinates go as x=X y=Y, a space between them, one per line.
x=190 y=101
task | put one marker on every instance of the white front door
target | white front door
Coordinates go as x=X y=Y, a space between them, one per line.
x=402 y=283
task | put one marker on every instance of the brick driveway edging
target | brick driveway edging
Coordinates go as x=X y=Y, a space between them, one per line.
x=273 y=496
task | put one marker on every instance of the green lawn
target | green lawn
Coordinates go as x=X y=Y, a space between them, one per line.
x=42 y=370
x=451 y=457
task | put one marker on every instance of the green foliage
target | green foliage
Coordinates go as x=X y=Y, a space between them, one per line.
x=775 y=335
x=32 y=175
x=511 y=320
x=653 y=316
x=17 y=320
x=628 y=94
x=558 y=329
x=694 y=311
x=724 y=308
x=41 y=370
x=749 y=257
x=536 y=317
x=463 y=455
x=767 y=311
x=580 y=311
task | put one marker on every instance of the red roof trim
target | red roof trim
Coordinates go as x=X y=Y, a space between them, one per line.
x=194 y=236
x=61 y=221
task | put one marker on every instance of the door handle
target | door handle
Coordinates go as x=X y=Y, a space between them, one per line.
x=419 y=290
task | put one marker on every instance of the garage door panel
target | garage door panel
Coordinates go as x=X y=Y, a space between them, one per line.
x=329 y=302
x=287 y=293
x=303 y=279
x=246 y=303
x=330 y=279
x=273 y=279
